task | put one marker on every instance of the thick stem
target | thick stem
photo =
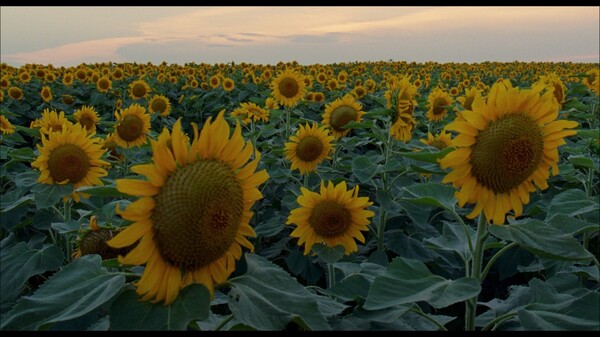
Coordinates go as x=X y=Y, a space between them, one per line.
x=495 y=257
x=471 y=303
x=331 y=275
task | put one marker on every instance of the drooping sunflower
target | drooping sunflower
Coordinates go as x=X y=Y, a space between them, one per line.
x=504 y=146
x=440 y=141
x=160 y=104
x=255 y=112
x=334 y=216
x=339 y=113
x=71 y=156
x=401 y=96
x=288 y=87
x=466 y=101
x=133 y=123
x=308 y=147
x=438 y=102
x=6 y=126
x=192 y=217
x=51 y=121
x=88 y=117
x=93 y=241
x=592 y=80
x=138 y=89
x=271 y=104
x=104 y=84
x=554 y=84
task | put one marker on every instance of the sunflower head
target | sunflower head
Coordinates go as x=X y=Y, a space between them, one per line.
x=159 y=104
x=228 y=84
x=88 y=117
x=71 y=156
x=6 y=126
x=341 y=111
x=93 y=241
x=104 y=84
x=401 y=97
x=133 y=123
x=334 y=216
x=466 y=101
x=46 y=94
x=138 y=89
x=438 y=102
x=554 y=84
x=15 y=93
x=288 y=87
x=51 y=121
x=505 y=145
x=308 y=147
x=193 y=212
x=439 y=141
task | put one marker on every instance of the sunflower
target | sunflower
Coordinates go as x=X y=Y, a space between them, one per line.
x=93 y=241
x=46 y=94
x=104 y=84
x=243 y=114
x=160 y=104
x=466 y=101
x=68 y=79
x=308 y=147
x=319 y=97
x=68 y=99
x=228 y=84
x=554 y=85
x=438 y=101
x=255 y=112
x=401 y=96
x=359 y=91
x=138 y=89
x=6 y=126
x=133 y=123
x=335 y=216
x=592 y=80
x=192 y=217
x=214 y=81
x=88 y=117
x=504 y=146
x=271 y=104
x=51 y=121
x=439 y=141
x=15 y=93
x=288 y=87
x=24 y=77
x=71 y=156
x=4 y=82
x=341 y=111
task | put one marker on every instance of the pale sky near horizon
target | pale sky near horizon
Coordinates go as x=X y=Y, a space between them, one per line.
x=68 y=36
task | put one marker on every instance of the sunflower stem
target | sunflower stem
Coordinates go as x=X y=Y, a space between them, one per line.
x=381 y=228
x=331 y=275
x=495 y=257
x=67 y=210
x=498 y=320
x=471 y=303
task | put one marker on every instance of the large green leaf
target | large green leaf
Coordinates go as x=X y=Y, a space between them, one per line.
x=268 y=298
x=19 y=263
x=364 y=169
x=408 y=281
x=356 y=282
x=453 y=239
x=572 y=202
x=431 y=194
x=542 y=239
x=102 y=191
x=74 y=291
x=571 y=225
x=46 y=195
x=128 y=312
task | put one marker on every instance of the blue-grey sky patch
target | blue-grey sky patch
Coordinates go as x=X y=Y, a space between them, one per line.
x=68 y=36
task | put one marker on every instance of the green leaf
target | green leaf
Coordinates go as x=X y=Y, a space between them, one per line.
x=429 y=157
x=431 y=194
x=77 y=289
x=453 y=239
x=367 y=124
x=268 y=298
x=128 y=312
x=408 y=281
x=102 y=191
x=25 y=154
x=572 y=202
x=593 y=133
x=571 y=225
x=364 y=169
x=10 y=204
x=387 y=202
x=328 y=254
x=19 y=263
x=543 y=240
x=583 y=161
x=46 y=195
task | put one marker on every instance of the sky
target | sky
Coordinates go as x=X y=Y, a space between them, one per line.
x=69 y=36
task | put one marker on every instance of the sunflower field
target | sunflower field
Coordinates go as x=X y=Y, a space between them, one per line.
x=347 y=196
